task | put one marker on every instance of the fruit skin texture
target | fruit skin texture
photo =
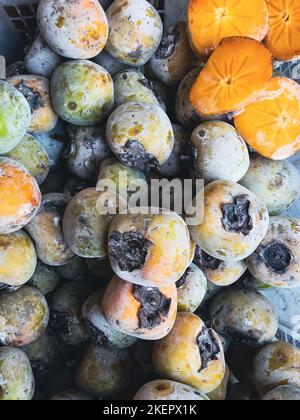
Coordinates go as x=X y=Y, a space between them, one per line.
x=276 y=262
x=85 y=230
x=151 y=130
x=40 y=59
x=104 y=371
x=276 y=364
x=45 y=278
x=178 y=357
x=191 y=289
x=24 y=316
x=126 y=180
x=211 y=21
x=128 y=308
x=283 y=36
x=173 y=59
x=218 y=234
x=17 y=381
x=135 y=31
x=78 y=30
x=284 y=393
x=174 y=166
x=271 y=124
x=18 y=259
x=46 y=232
x=20 y=196
x=15 y=117
x=149 y=249
x=65 y=309
x=276 y=183
x=88 y=149
x=132 y=86
x=245 y=316
x=30 y=153
x=220 y=393
x=164 y=390
x=220 y=273
x=214 y=145
x=43 y=352
x=232 y=77
x=98 y=328
x=36 y=90
x=82 y=92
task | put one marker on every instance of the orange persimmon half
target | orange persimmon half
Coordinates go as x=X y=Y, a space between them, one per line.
x=209 y=21
x=283 y=39
x=235 y=74
x=271 y=125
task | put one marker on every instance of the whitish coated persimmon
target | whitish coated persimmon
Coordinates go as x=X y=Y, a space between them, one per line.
x=75 y=29
x=283 y=38
x=271 y=125
x=234 y=76
x=209 y=21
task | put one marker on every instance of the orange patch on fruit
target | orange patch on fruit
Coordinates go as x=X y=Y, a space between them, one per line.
x=209 y=21
x=283 y=39
x=19 y=194
x=271 y=125
x=235 y=74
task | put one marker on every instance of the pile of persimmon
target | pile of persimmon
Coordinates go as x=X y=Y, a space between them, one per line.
x=239 y=39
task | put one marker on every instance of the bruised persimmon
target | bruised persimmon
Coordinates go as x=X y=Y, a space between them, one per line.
x=209 y=21
x=234 y=76
x=271 y=125
x=20 y=197
x=283 y=37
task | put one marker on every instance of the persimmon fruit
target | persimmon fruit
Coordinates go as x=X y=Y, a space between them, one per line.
x=235 y=74
x=271 y=125
x=283 y=38
x=209 y=21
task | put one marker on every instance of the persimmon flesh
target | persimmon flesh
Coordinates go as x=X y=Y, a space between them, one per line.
x=271 y=125
x=283 y=39
x=209 y=21
x=235 y=74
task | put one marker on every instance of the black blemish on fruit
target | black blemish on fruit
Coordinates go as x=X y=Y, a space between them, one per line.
x=182 y=282
x=168 y=44
x=72 y=106
x=129 y=250
x=8 y=288
x=246 y=338
x=205 y=261
x=152 y=86
x=208 y=347
x=135 y=155
x=277 y=257
x=61 y=321
x=154 y=306
x=33 y=97
x=137 y=54
x=236 y=217
x=95 y=334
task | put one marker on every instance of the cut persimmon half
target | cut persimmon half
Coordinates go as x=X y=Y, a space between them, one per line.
x=209 y=21
x=235 y=74
x=271 y=125
x=283 y=39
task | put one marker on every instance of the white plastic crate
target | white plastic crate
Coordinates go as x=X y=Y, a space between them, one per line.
x=18 y=23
